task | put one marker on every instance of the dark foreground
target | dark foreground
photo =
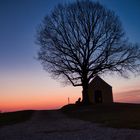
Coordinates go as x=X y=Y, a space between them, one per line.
x=56 y=125
x=119 y=115
x=15 y=117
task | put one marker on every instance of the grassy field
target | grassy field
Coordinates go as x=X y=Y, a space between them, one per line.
x=15 y=117
x=118 y=115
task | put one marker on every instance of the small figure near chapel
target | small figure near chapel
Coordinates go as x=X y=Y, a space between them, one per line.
x=78 y=101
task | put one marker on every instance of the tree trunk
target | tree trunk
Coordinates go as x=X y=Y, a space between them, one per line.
x=85 y=97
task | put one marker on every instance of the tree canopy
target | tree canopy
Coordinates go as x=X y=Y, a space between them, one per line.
x=82 y=39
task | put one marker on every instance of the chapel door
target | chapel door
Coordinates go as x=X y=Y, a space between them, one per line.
x=98 y=96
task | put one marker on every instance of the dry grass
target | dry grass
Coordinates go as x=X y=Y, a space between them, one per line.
x=119 y=115
x=15 y=117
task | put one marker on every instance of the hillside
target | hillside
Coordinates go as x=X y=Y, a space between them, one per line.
x=120 y=115
x=69 y=123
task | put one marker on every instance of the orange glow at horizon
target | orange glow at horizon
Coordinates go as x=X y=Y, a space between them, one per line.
x=22 y=91
x=46 y=102
x=53 y=100
x=19 y=93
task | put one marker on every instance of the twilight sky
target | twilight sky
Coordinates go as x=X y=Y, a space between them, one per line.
x=23 y=82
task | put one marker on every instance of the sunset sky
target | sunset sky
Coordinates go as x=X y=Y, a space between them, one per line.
x=23 y=82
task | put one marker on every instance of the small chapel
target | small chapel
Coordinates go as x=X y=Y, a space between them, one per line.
x=99 y=91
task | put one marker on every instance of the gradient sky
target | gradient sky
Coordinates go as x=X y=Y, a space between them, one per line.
x=23 y=82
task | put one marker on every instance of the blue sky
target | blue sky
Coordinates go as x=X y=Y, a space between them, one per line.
x=20 y=18
x=18 y=23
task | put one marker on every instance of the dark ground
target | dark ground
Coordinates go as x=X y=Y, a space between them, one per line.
x=119 y=115
x=73 y=123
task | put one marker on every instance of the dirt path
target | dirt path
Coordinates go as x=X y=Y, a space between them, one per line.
x=54 y=125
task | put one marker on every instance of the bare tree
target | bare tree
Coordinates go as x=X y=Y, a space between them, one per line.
x=83 y=39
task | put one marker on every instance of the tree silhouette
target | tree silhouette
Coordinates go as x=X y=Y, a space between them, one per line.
x=83 y=39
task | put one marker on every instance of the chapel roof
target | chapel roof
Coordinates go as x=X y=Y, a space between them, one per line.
x=97 y=78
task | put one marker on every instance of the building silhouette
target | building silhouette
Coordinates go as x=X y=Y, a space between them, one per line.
x=99 y=91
